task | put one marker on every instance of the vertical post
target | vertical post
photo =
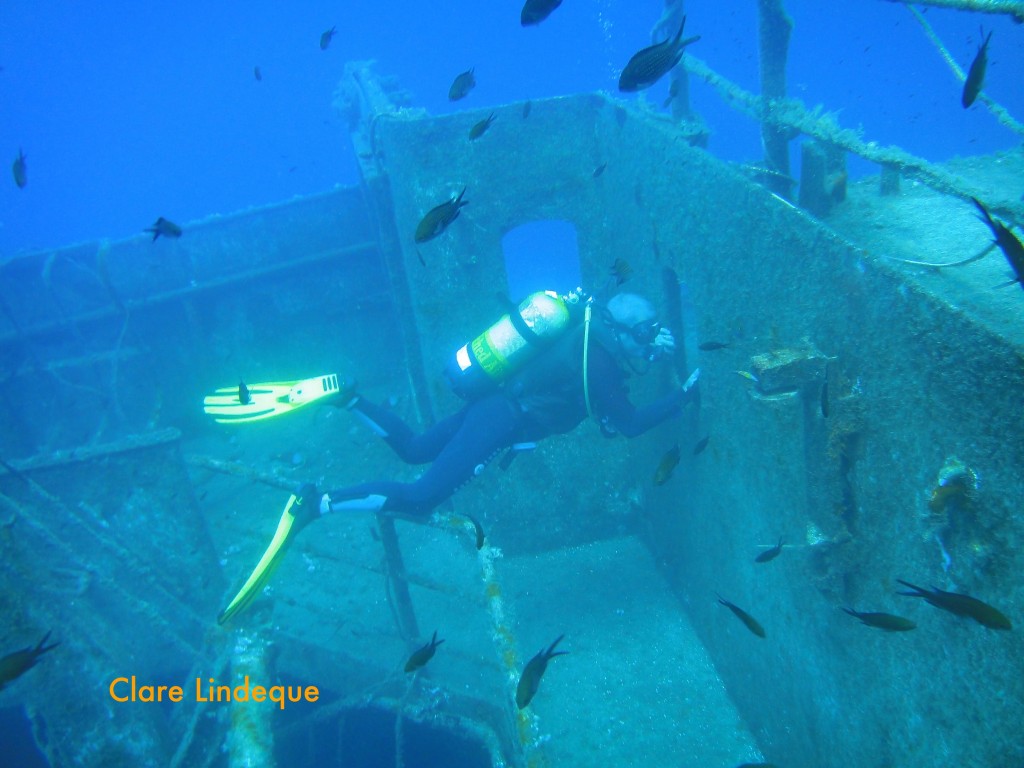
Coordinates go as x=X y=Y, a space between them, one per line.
x=679 y=84
x=774 y=30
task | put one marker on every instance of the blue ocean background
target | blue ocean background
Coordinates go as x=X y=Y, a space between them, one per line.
x=130 y=111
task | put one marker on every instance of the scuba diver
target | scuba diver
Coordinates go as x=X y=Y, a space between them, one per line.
x=547 y=397
x=579 y=371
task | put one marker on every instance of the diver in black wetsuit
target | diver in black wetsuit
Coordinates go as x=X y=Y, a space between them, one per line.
x=551 y=396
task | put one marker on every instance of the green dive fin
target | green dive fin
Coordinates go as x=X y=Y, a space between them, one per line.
x=263 y=401
x=292 y=521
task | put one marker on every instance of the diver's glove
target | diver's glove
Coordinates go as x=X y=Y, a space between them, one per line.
x=309 y=504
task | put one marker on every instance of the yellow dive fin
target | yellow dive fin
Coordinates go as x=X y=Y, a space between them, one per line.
x=261 y=401
x=289 y=525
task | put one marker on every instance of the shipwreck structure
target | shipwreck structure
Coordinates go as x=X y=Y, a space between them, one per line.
x=877 y=430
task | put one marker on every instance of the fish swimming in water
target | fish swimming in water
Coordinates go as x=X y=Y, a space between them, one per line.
x=667 y=465
x=748 y=376
x=164 y=227
x=257 y=74
x=422 y=655
x=529 y=681
x=770 y=554
x=326 y=37
x=462 y=85
x=712 y=346
x=961 y=605
x=14 y=665
x=526 y=108
x=887 y=621
x=439 y=217
x=535 y=11
x=599 y=170
x=20 y=170
x=648 y=66
x=480 y=128
x=243 y=394
x=1008 y=243
x=976 y=75
x=621 y=270
x=749 y=621
x=701 y=445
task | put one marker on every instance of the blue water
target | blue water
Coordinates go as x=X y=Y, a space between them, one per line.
x=129 y=111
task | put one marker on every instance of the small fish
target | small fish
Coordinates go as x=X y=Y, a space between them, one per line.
x=423 y=262
x=667 y=465
x=961 y=605
x=751 y=623
x=462 y=85
x=478 y=530
x=439 y=217
x=326 y=37
x=14 y=665
x=526 y=108
x=1008 y=243
x=535 y=11
x=748 y=375
x=20 y=170
x=712 y=346
x=887 y=621
x=257 y=74
x=529 y=682
x=621 y=271
x=976 y=75
x=422 y=655
x=480 y=128
x=243 y=394
x=648 y=66
x=701 y=445
x=673 y=91
x=164 y=227
x=770 y=554
x=599 y=170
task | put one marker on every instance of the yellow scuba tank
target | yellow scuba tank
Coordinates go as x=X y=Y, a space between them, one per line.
x=511 y=342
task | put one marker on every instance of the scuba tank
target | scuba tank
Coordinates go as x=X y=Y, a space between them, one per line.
x=501 y=350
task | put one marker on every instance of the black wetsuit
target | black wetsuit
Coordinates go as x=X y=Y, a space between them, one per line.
x=546 y=399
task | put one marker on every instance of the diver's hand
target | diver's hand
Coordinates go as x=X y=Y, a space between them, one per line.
x=664 y=343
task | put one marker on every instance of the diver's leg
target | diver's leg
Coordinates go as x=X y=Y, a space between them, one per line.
x=410 y=447
x=488 y=426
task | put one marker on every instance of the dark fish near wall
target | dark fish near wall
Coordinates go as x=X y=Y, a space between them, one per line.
x=698 y=449
x=667 y=465
x=652 y=63
x=20 y=170
x=1008 y=243
x=535 y=11
x=712 y=346
x=961 y=605
x=164 y=227
x=887 y=621
x=14 y=665
x=257 y=74
x=326 y=37
x=480 y=128
x=462 y=85
x=529 y=682
x=439 y=217
x=770 y=554
x=748 y=621
x=976 y=75
x=243 y=394
x=422 y=655
x=621 y=270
